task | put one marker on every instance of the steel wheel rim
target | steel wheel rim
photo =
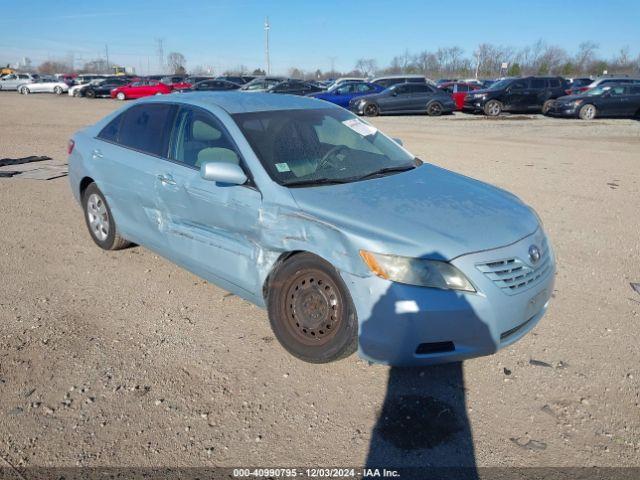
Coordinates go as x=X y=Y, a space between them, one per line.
x=98 y=217
x=314 y=308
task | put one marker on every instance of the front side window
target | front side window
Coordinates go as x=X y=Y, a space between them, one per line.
x=199 y=138
x=147 y=127
x=538 y=83
x=320 y=145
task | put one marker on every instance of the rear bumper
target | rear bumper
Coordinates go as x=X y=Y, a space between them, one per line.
x=405 y=325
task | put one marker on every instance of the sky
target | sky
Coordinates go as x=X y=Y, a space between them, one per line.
x=307 y=34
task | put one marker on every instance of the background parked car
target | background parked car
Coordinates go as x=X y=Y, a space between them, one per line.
x=212 y=85
x=610 y=100
x=294 y=87
x=576 y=83
x=393 y=79
x=261 y=84
x=239 y=79
x=602 y=81
x=458 y=91
x=103 y=88
x=404 y=98
x=13 y=80
x=341 y=94
x=44 y=85
x=140 y=88
x=516 y=95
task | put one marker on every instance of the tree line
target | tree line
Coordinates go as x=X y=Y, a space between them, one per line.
x=486 y=61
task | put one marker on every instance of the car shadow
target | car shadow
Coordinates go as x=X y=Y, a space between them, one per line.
x=422 y=427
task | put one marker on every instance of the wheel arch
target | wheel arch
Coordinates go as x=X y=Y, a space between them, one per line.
x=84 y=183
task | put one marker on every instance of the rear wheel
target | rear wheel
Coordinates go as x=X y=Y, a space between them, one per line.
x=587 y=112
x=371 y=110
x=121 y=96
x=99 y=220
x=310 y=310
x=90 y=94
x=546 y=106
x=25 y=91
x=493 y=108
x=434 y=109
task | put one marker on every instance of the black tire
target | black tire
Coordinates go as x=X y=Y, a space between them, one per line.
x=588 y=112
x=311 y=311
x=371 y=110
x=24 y=91
x=57 y=90
x=109 y=239
x=493 y=108
x=434 y=109
x=90 y=94
x=546 y=106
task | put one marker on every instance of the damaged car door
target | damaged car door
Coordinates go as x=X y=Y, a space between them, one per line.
x=211 y=227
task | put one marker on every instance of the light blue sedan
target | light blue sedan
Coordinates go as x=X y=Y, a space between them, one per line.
x=348 y=240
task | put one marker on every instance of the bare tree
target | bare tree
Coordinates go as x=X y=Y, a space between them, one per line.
x=367 y=66
x=585 y=56
x=51 y=67
x=177 y=63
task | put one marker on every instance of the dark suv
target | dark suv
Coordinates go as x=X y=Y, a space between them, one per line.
x=517 y=95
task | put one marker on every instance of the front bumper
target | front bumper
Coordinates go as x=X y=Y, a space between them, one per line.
x=405 y=325
x=564 y=110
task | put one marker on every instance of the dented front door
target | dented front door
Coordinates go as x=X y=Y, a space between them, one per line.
x=210 y=227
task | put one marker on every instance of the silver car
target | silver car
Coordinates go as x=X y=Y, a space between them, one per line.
x=13 y=81
x=43 y=85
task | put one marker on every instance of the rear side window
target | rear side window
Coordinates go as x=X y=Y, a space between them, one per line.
x=147 y=127
x=634 y=89
x=554 y=82
x=112 y=130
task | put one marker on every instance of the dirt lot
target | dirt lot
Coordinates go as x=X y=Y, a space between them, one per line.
x=125 y=359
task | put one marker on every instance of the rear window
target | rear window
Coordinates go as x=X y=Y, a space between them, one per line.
x=146 y=128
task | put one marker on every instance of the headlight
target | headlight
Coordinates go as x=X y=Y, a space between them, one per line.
x=417 y=271
x=575 y=103
x=479 y=95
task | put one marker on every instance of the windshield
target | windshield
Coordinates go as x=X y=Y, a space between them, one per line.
x=261 y=84
x=500 y=84
x=320 y=146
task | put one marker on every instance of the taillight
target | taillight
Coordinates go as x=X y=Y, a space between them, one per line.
x=70 y=146
x=568 y=92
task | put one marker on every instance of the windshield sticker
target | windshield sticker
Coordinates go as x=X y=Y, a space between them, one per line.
x=282 y=167
x=360 y=127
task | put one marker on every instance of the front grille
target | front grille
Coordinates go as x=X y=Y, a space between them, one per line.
x=512 y=275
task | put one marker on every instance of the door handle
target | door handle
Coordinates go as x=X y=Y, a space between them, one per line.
x=97 y=154
x=166 y=179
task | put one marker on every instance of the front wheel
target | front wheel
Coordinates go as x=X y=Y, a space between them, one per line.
x=311 y=311
x=371 y=110
x=434 y=109
x=121 y=96
x=57 y=90
x=587 y=112
x=493 y=108
x=546 y=106
x=99 y=220
x=90 y=94
x=24 y=91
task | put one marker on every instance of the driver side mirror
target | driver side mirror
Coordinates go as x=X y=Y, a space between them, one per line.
x=223 y=172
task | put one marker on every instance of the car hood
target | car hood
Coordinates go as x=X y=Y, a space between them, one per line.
x=425 y=212
x=570 y=98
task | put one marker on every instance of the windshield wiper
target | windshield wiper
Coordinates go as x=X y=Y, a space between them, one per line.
x=383 y=171
x=315 y=181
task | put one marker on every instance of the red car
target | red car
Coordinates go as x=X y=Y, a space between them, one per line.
x=458 y=90
x=140 y=88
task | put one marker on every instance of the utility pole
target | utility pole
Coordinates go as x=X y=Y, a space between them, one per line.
x=160 y=54
x=266 y=44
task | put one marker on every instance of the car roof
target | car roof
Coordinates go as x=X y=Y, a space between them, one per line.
x=244 y=102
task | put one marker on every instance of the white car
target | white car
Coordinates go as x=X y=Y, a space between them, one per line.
x=13 y=80
x=82 y=82
x=44 y=85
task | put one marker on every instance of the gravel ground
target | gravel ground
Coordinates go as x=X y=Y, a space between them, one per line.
x=122 y=358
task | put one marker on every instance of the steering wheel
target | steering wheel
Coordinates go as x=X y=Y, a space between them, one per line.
x=324 y=161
